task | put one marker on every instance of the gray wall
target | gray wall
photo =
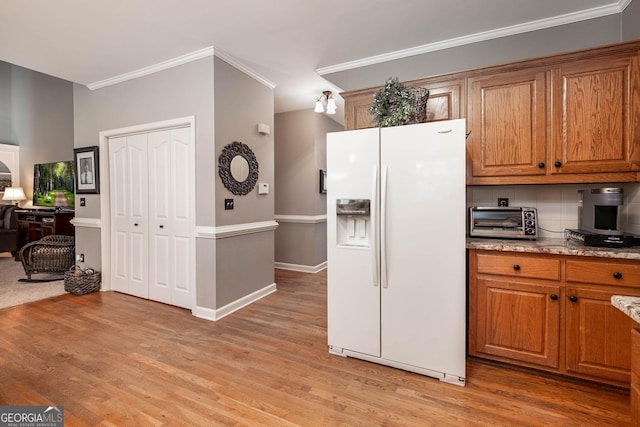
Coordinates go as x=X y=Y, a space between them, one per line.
x=566 y=38
x=6 y=127
x=244 y=263
x=300 y=151
x=36 y=113
x=631 y=22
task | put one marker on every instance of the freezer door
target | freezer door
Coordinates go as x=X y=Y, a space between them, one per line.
x=423 y=298
x=353 y=291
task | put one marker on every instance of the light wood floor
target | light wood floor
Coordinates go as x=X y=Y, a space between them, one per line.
x=115 y=360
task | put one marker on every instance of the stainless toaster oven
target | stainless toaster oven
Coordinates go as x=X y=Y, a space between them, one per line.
x=503 y=222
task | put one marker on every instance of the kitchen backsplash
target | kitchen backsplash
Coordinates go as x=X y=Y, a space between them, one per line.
x=557 y=204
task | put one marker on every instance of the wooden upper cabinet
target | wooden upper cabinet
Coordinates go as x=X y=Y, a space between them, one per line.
x=570 y=118
x=507 y=120
x=445 y=102
x=356 y=110
x=593 y=128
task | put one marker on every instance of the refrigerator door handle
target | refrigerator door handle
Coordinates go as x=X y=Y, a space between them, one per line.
x=374 y=234
x=383 y=228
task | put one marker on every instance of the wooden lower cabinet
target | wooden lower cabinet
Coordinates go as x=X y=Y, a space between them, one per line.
x=598 y=343
x=635 y=377
x=518 y=321
x=559 y=321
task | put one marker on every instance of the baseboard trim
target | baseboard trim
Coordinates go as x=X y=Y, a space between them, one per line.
x=213 y=314
x=302 y=268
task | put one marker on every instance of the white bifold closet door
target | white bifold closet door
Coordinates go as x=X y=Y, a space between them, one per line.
x=151 y=217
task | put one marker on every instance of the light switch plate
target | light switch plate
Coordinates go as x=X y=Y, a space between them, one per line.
x=263 y=188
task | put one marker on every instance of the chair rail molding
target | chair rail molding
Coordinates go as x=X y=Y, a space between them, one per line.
x=301 y=219
x=223 y=231
x=86 y=222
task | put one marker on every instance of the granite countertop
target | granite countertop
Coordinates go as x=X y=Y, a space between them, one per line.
x=628 y=305
x=551 y=246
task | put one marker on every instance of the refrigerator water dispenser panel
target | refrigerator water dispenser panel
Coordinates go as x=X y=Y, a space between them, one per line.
x=353 y=222
x=353 y=207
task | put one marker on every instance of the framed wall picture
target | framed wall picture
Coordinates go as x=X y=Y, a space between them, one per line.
x=323 y=181
x=87 y=172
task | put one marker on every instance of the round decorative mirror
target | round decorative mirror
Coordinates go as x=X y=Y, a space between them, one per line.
x=238 y=168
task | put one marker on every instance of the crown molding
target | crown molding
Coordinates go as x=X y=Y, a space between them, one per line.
x=189 y=57
x=240 y=66
x=540 y=24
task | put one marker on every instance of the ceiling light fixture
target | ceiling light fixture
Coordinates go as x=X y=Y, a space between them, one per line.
x=327 y=97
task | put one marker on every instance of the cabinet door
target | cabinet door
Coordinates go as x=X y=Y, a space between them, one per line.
x=356 y=111
x=598 y=338
x=518 y=321
x=596 y=103
x=507 y=117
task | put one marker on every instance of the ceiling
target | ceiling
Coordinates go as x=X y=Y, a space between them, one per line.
x=284 y=42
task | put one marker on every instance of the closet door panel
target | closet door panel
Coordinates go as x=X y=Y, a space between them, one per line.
x=138 y=194
x=183 y=290
x=160 y=176
x=118 y=164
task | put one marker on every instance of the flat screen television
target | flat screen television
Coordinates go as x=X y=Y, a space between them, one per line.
x=54 y=184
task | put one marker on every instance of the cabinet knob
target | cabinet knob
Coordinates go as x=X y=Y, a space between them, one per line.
x=135 y=225
x=162 y=226
x=617 y=275
x=573 y=298
x=541 y=165
x=557 y=164
x=553 y=297
x=516 y=267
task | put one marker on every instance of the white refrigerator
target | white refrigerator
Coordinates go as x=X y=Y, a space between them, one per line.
x=396 y=272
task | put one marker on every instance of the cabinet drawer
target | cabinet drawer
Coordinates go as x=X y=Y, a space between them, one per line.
x=603 y=273
x=519 y=266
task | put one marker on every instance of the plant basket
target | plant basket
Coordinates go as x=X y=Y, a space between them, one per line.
x=79 y=281
x=421 y=97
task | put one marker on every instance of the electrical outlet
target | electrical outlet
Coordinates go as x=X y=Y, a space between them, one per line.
x=228 y=204
x=503 y=201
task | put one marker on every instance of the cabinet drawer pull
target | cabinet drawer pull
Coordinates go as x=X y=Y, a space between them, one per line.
x=541 y=165
x=557 y=164
x=516 y=267
x=573 y=298
x=553 y=297
x=617 y=275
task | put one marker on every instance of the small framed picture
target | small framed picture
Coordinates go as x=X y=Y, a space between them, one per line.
x=87 y=172
x=323 y=181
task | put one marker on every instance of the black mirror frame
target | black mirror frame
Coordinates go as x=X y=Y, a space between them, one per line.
x=229 y=152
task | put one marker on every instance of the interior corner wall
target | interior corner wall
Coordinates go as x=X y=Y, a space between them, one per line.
x=244 y=263
x=565 y=38
x=631 y=22
x=300 y=207
x=6 y=128
x=41 y=119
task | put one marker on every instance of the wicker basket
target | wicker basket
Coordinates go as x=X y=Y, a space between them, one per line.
x=422 y=96
x=80 y=281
